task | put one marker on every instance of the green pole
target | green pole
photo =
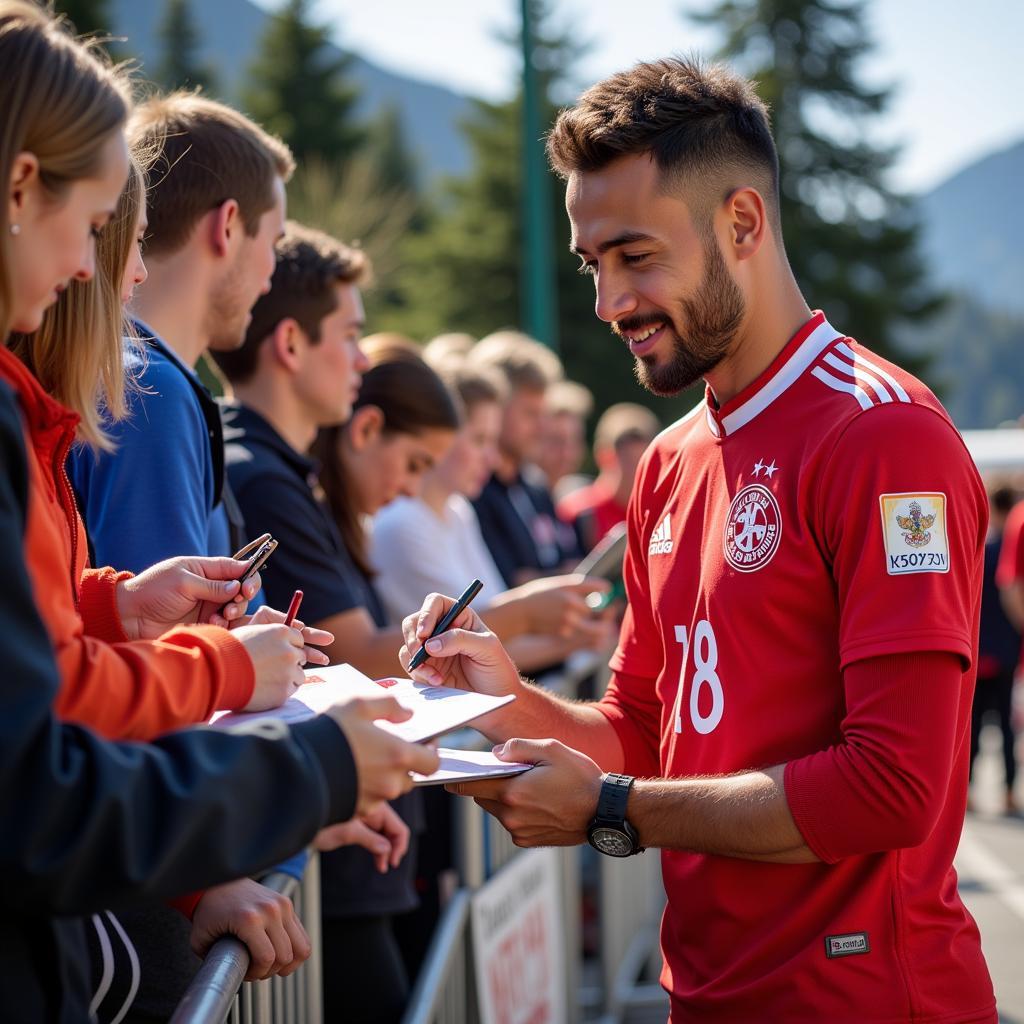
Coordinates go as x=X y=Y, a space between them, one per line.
x=539 y=302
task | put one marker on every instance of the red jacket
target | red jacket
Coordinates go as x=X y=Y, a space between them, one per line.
x=121 y=689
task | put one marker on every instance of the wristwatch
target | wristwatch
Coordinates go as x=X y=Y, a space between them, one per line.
x=609 y=832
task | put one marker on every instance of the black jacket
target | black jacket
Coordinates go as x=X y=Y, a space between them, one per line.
x=86 y=824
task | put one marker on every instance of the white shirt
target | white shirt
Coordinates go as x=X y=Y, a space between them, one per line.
x=417 y=552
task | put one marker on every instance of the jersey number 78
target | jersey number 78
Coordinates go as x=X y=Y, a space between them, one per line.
x=705 y=677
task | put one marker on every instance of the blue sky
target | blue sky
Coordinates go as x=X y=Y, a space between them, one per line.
x=960 y=78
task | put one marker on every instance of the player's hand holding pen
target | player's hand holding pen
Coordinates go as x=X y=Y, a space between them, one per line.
x=466 y=655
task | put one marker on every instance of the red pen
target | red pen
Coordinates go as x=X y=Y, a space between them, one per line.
x=293 y=608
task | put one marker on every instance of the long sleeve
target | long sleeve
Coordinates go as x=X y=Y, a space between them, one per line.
x=138 y=690
x=123 y=690
x=86 y=824
x=882 y=787
x=97 y=604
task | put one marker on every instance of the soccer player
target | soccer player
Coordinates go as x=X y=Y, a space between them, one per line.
x=793 y=680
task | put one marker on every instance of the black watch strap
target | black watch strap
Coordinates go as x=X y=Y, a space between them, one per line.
x=611 y=805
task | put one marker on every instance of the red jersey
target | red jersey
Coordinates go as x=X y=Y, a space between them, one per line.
x=829 y=513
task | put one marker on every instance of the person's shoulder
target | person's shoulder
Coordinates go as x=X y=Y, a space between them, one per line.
x=891 y=406
x=686 y=438
x=461 y=508
x=848 y=382
x=540 y=495
x=258 y=474
x=678 y=432
x=399 y=516
x=161 y=396
x=494 y=495
x=155 y=367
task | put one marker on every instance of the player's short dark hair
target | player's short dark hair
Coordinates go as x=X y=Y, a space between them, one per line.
x=310 y=265
x=699 y=122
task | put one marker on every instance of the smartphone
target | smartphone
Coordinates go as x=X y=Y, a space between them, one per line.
x=606 y=559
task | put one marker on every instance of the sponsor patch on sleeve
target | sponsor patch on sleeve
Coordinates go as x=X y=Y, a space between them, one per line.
x=914 y=532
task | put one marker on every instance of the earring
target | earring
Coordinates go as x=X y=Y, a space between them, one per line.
x=15 y=229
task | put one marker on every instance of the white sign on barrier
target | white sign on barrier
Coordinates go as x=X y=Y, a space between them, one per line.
x=518 y=943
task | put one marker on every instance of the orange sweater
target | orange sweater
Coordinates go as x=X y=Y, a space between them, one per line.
x=122 y=689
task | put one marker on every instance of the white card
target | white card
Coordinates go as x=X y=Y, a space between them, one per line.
x=469 y=766
x=436 y=709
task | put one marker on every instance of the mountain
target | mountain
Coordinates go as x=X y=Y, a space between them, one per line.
x=231 y=30
x=973 y=223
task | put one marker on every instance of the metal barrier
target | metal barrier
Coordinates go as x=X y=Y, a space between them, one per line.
x=444 y=992
x=630 y=904
x=217 y=992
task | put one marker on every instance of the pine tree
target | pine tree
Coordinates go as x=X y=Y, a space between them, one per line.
x=179 y=38
x=464 y=272
x=387 y=149
x=87 y=16
x=297 y=87
x=852 y=242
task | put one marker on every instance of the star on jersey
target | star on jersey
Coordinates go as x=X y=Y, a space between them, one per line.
x=769 y=469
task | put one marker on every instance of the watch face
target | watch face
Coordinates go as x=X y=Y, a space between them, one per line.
x=611 y=841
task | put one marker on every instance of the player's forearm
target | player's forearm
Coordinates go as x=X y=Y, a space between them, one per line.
x=538 y=714
x=743 y=816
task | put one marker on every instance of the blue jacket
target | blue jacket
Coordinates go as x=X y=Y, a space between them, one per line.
x=158 y=495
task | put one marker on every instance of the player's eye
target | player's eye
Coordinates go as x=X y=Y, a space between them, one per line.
x=588 y=268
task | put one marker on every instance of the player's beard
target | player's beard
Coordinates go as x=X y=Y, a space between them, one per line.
x=711 y=319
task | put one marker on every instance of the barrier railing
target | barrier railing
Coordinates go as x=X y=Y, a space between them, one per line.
x=444 y=992
x=217 y=992
x=630 y=900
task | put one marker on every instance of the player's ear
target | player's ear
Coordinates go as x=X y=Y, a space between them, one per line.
x=748 y=221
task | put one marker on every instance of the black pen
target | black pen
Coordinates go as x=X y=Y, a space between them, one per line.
x=449 y=617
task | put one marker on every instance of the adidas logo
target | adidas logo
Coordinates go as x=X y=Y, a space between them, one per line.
x=661 y=539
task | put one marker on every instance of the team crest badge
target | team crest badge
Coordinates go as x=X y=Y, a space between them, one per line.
x=915 y=525
x=753 y=529
x=914 y=532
